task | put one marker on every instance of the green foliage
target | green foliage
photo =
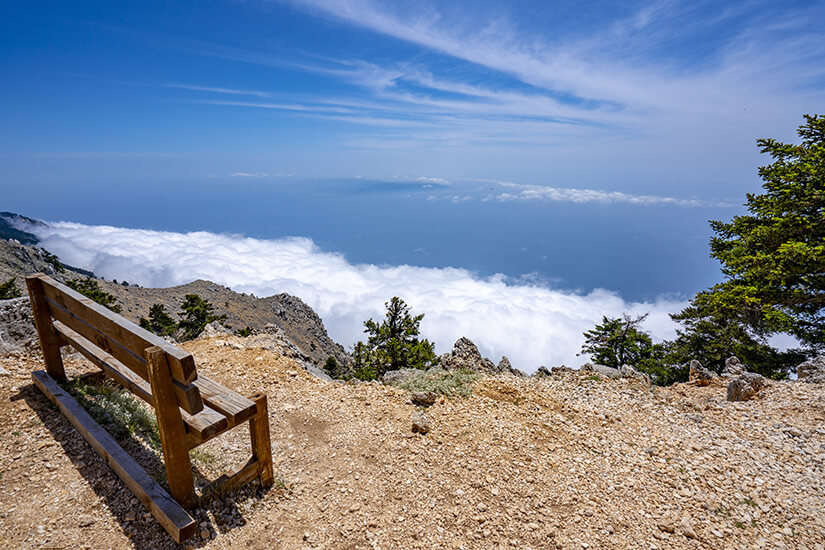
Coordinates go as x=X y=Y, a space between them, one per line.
x=454 y=383
x=117 y=410
x=331 y=367
x=618 y=341
x=244 y=332
x=195 y=314
x=773 y=260
x=159 y=321
x=8 y=290
x=392 y=344
x=52 y=260
x=91 y=289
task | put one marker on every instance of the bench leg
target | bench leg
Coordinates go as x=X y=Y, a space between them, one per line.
x=170 y=427
x=49 y=341
x=261 y=445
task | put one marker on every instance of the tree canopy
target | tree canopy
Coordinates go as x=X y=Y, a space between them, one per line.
x=195 y=314
x=392 y=343
x=91 y=289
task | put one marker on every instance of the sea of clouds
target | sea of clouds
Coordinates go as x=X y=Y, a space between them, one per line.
x=533 y=325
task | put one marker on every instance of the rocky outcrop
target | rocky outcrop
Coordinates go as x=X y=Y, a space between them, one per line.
x=812 y=371
x=17 y=332
x=213 y=329
x=629 y=371
x=465 y=355
x=542 y=372
x=745 y=386
x=602 y=370
x=396 y=377
x=699 y=375
x=734 y=367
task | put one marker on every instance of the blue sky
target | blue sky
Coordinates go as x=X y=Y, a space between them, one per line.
x=570 y=145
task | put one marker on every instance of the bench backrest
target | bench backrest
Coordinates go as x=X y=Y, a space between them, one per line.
x=120 y=338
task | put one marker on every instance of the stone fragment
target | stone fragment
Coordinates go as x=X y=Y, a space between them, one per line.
x=745 y=386
x=699 y=375
x=420 y=423
x=423 y=398
x=812 y=371
x=734 y=367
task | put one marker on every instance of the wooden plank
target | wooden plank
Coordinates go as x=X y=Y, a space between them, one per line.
x=231 y=404
x=240 y=475
x=49 y=341
x=261 y=444
x=126 y=333
x=188 y=396
x=177 y=522
x=171 y=430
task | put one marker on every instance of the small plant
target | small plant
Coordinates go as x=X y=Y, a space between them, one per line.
x=455 y=383
x=594 y=377
x=8 y=290
x=117 y=410
x=244 y=332
x=91 y=289
x=202 y=456
x=52 y=260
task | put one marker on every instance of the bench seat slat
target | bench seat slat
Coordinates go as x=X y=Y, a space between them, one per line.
x=230 y=403
x=113 y=326
x=205 y=424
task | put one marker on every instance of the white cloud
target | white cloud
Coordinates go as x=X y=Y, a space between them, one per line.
x=532 y=324
x=556 y=194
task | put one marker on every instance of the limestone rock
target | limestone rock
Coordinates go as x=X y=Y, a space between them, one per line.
x=812 y=371
x=423 y=398
x=746 y=386
x=465 y=355
x=542 y=372
x=629 y=371
x=699 y=375
x=608 y=372
x=420 y=423
x=17 y=332
x=397 y=377
x=213 y=329
x=734 y=367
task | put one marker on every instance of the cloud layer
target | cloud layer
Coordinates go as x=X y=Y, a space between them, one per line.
x=532 y=325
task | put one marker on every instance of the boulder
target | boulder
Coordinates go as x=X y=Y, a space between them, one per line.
x=812 y=371
x=17 y=332
x=745 y=386
x=396 y=377
x=420 y=423
x=465 y=355
x=629 y=371
x=699 y=375
x=542 y=372
x=603 y=370
x=504 y=366
x=423 y=398
x=734 y=367
x=213 y=329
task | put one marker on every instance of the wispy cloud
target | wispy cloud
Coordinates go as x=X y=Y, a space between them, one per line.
x=554 y=194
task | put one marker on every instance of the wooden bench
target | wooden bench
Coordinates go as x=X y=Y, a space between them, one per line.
x=190 y=408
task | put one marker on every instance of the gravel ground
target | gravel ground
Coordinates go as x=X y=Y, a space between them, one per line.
x=562 y=462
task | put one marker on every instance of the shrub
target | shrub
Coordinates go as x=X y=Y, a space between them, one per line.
x=159 y=321
x=9 y=290
x=244 y=332
x=392 y=344
x=453 y=383
x=195 y=314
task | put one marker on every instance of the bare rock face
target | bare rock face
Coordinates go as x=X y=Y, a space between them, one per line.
x=465 y=355
x=17 y=332
x=215 y=328
x=812 y=371
x=603 y=370
x=745 y=386
x=699 y=375
x=734 y=367
x=629 y=371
